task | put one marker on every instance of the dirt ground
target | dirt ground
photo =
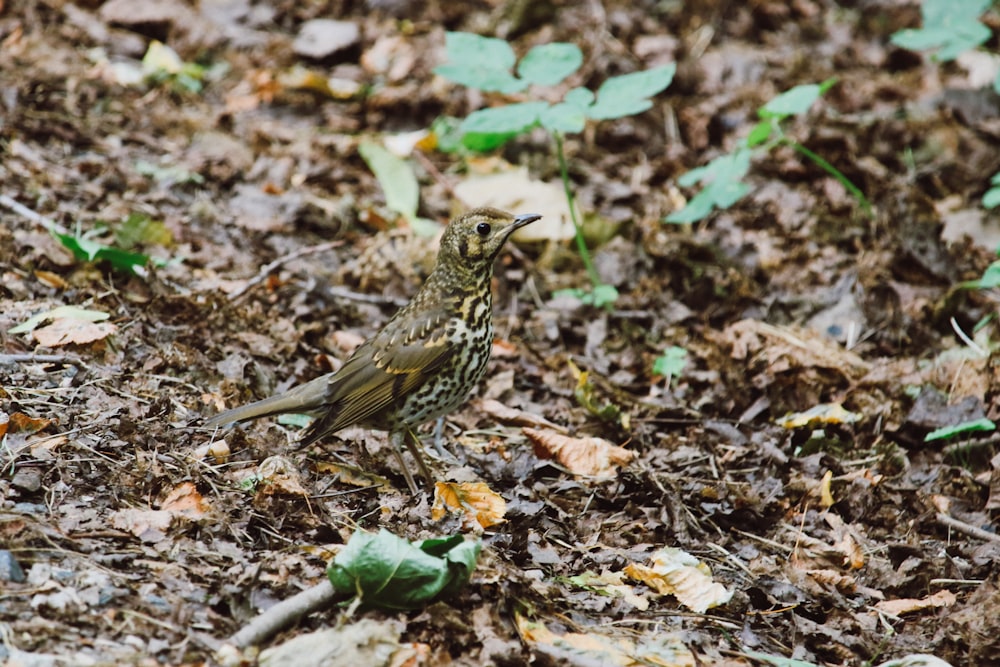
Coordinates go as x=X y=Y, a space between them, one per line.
x=129 y=534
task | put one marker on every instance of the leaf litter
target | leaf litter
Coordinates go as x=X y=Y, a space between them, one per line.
x=842 y=539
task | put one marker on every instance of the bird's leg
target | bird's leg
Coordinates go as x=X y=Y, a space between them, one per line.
x=443 y=453
x=397 y=438
x=413 y=443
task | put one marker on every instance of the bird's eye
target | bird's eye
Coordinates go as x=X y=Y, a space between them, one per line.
x=483 y=229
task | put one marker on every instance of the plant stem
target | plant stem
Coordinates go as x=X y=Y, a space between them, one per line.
x=836 y=173
x=581 y=244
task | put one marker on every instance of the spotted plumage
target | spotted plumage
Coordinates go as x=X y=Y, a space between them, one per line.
x=425 y=361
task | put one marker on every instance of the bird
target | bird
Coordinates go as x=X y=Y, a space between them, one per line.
x=424 y=362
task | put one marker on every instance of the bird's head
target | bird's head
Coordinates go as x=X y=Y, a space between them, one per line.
x=475 y=238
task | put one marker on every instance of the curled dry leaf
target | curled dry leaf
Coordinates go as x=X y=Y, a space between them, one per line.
x=678 y=573
x=909 y=606
x=595 y=457
x=479 y=504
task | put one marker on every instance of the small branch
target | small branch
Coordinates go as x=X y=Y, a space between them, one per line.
x=344 y=293
x=268 y=269
x=284 y=613
x=35 y=217
x=962 y=527
x=39 y=359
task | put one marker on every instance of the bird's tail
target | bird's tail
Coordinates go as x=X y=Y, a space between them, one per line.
x=301 y=399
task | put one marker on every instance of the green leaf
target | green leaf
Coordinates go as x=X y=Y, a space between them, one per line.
x=581 y=97
x=992 y=198
x=563 y=117
x=88 y=250
x=139 y=229
x=513 y=118
x=952 y=26
x=483 y=63
x=548 y=64
x=395 y=175
x=671 y=362
x=388 y=572
x=722 y=182
x=71 y=312
x=989 y=279
x=629 y=94
x=600 y=296
x=792 y=102
x=759 y=134
x=960 y=429
x=482 y=142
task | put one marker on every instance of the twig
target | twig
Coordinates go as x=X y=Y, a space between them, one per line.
x=268 y=269
x=40 y=358
x=284 y=614
x=345 y=293
x=962 y=527
x=35 y=217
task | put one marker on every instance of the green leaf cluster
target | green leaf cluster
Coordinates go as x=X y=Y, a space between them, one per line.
x=488 y=64
x=136 y=230
x=671 y=362
x=951 y=27
x=722 y=178
x=387 y=572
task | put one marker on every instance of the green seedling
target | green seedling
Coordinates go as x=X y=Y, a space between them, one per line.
x=488 y=64
x=722 y=178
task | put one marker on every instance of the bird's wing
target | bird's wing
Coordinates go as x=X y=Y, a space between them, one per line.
x=393 y=363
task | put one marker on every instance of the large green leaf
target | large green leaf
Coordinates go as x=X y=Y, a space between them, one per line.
x=388 y=572
x=484 y=63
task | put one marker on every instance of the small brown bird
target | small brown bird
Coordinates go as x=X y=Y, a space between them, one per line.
x=424 y=362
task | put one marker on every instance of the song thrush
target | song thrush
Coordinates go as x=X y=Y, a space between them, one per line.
x=424 y=362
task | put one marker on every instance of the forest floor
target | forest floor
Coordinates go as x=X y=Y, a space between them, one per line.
x=131 y=534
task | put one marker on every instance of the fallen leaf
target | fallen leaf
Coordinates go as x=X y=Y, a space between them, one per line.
x=612 y=584
x=678 y=573
x=911 y=605
x=185 y=500
x=353 y=476
x=475 y=500
x=589 y=456
x=66 y=330
x=277 y=475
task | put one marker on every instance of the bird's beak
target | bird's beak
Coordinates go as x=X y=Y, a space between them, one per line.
x=523 y=219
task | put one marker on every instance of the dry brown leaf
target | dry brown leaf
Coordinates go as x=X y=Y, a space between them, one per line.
x=19 y=422
x=353 y=476
x=590 y=456
x=277 y=475
x=911 y=605
x=66 y=330
x=678 y=573
x=479 y=504
x=665 y=650
x=185 y=500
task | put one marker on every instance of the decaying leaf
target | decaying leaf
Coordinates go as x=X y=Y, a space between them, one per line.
x=678 y=573
x=184 y=502
x=589 y=456
x=613 y=584
x=818 y=415
x=909 y=606
x=278 y=475
x=480 y=505
x=353 y=476
x=599 y=648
